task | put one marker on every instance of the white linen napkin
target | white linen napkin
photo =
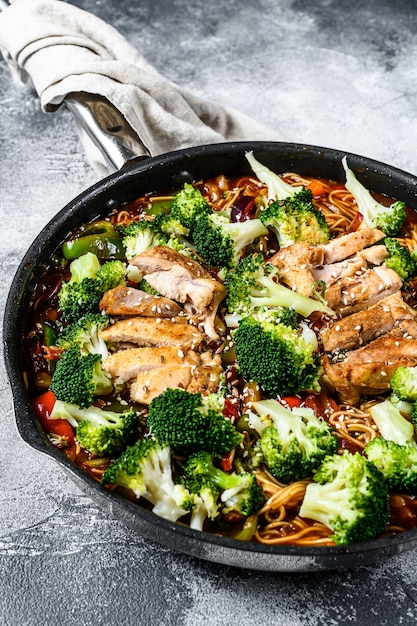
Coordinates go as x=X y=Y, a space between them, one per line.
x=64 y=49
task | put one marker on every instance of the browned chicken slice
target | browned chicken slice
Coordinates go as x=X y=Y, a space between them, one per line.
x=333 y=272
x=206 y=377
x=345 y=246
x=203 y=378
x=184 y=280
x=124 y=365
x=295 y=269
x=351 y=294
x=363 y=327
x=375 y=255
x=353 y=266
x=369 y=370
x=150 y=331
x=130 y=301
x=150 y=384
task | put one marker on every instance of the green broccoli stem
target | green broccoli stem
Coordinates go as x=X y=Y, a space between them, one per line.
x=278 y=295
x=75 y=414
x=278 y=189
x=391 y=423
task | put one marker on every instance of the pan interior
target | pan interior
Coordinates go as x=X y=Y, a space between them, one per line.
x=161 y=174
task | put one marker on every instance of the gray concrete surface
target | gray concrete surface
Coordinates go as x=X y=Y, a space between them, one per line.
x=325 y=72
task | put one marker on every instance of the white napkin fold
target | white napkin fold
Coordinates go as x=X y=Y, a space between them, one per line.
x=64 y=49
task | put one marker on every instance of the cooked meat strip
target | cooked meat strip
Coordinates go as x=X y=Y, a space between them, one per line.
x=295 y=269
x=375 y=255
x=150 y=331
x=369 y=370
x=124 y=365
x=352 y=266
x=184 y=280
x=206 y=376
x=352 y=294
x=130 y=301
x=203 y=378
x=150 y=384
x=364 y=326
x=345 y=246
x=333 y=272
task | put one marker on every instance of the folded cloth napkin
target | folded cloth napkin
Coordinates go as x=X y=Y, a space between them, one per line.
x=64 y=49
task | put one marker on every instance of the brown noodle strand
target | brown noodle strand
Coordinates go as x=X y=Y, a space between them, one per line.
x=354 y=424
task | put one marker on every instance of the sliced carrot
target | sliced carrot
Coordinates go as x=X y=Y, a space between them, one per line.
x=316 y=188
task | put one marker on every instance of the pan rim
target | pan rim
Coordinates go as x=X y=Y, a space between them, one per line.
x=33 y=437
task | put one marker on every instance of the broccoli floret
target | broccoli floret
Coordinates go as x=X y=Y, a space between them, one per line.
x=404 y=383
x=145 y=468
x=83 y=292
x=221 y=242
x=350 y=496
x=278 y=189
x=293 y=442
x=389 y=219
x=206 y=500
x=239 y=492
x=140 y=236
x=253 y=284
x=105 y=433
x=188 y=422
x=296 y=219
x=188 y=205
x=276 y=356
x=391 y=423
x=400 y=259
x=171 y=226
x=84 y=333
x=398 y=463
x=79 y=377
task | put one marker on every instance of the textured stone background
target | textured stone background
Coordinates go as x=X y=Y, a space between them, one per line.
x=325 y=72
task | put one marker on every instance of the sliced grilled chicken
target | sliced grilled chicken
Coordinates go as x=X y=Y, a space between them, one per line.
x=369 y=370
x=130 y=301
x=345 y=246
x=206 y=377
x=150 y=331
x=295 y=268
x=351 y=294
x=184 y=280
x=150 y=384
x=203 y=378
x=124 y=365
x=363 y=327
x=353 y=266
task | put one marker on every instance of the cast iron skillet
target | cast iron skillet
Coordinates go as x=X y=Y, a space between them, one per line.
x=164 y=173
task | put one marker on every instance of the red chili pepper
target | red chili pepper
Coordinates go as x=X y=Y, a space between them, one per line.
x=356 y=222
x=291 y=401
x=43 y=406
x=231 y=409
x=226 y=462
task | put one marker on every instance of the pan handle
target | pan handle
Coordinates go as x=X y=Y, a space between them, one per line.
x=107 y=128
x=104 y=125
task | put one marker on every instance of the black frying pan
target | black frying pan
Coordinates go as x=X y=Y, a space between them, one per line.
x=164 y=173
